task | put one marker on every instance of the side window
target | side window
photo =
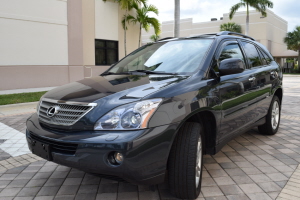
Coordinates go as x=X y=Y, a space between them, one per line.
x=229 y=51
x=265 y=58
x=252 y=54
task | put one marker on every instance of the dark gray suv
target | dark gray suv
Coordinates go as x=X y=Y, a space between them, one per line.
x=153 y=115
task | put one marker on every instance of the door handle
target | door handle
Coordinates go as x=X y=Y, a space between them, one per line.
x=252 y=79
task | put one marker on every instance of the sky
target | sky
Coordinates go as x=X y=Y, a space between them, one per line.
x=204 y=10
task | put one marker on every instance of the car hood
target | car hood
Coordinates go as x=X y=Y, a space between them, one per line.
x=109 y=92
x=128 y=87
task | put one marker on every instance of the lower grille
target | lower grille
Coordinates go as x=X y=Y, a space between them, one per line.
x=58 y=147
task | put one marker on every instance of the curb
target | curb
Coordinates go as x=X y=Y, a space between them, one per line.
x=17 y=109
x=19 y=104
x=26 y=90
x=285 y=75
x=16 y=114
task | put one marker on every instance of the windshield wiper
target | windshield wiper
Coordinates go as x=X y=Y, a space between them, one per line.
x=107 y=73
x=153 y=72
x=138 y=72
x=114 y=73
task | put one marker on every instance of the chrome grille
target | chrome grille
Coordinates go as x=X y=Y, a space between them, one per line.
x=68 y=112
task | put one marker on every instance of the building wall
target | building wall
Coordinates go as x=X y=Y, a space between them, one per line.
x=104 y=23
x=33 y=32
x=52 y=42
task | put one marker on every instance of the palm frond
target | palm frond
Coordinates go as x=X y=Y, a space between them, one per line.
x=143 y=2
x=154 y=37
x=235 y=7
x=134 y=5
x=152 y=8
x=260 y=8
x=155 y=24
x=292 y=39
x=231 y=26
x=132 y=19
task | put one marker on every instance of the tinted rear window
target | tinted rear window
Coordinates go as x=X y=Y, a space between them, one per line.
x=252 y=54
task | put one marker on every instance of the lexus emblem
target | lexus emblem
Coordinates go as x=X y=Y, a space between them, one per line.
x=53 y=110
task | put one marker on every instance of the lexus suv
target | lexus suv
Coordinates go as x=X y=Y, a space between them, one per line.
x=153 y=115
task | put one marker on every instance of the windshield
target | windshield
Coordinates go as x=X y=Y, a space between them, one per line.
x=181 y=56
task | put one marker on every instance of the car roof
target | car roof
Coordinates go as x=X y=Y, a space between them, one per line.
x=223 y=34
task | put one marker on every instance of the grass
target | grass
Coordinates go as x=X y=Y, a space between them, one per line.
x=292 y=73
x=20 y=98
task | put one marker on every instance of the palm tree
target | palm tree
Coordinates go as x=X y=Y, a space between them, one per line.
x=154 y=37
x=259 y=5
x=144 y=20
x=127 y=6
x=177 y=19
x=292 y=40
x=231 y=26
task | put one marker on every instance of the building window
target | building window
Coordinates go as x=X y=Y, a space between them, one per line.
x=106 y=52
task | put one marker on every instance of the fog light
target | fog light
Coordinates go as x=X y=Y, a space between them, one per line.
x=119 y=157
x=115 y=158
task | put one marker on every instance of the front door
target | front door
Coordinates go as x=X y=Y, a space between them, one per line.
x=235 y=92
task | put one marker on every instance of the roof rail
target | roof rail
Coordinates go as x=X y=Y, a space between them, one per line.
x=203 y=35
x=234 y=33
x=166 y=38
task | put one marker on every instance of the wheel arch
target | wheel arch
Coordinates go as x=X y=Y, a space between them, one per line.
x=209 y=123
x=279 y=94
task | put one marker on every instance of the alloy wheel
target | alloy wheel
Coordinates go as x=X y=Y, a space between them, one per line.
x=275 y=115
x=198 y=162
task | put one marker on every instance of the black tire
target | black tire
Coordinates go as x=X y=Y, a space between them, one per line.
x=268 y=128
x=182 y=162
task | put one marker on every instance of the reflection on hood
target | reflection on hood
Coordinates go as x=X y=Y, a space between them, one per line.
x=91 y=89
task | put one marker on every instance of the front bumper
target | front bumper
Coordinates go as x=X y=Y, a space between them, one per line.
x=145 y=151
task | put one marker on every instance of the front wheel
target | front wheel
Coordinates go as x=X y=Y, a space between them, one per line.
x=272 y=119
x=186 y=161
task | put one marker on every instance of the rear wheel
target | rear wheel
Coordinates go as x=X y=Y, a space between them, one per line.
x=272 y=119
x=185 y=162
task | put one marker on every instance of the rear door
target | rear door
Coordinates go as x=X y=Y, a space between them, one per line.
x=262 y=70
x=271 y=70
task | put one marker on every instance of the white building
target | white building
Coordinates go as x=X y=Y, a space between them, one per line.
x=54 y=42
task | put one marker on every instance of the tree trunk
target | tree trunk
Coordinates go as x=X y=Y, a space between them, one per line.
x=126 y=13
x=177 y=18
x=299 y=60
x=140 y=35
x=247 y=21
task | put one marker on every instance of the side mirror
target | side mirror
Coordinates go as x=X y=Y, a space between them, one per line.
x=231 y=66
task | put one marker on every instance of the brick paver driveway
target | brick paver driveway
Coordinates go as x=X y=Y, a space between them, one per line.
x=251 y=166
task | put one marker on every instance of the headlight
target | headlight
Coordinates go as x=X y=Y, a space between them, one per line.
x=130 y=116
